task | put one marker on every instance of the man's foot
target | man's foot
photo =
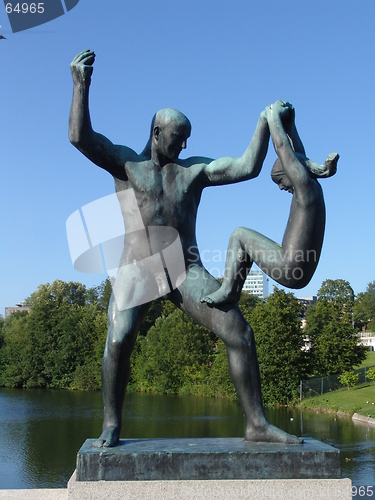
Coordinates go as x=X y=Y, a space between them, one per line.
x=326 y=170
x=220 y=297
x=109 y=437
x=270 y=434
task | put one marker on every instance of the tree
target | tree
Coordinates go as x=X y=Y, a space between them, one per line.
x=1 y=331
x=44 y=348
x=103 y=292
x=334 y=341
x=174 y=356
x=219 y=379
x=14 y=351
x=279 y=340
x=247 y=304
x=87 y=375
x=364 y=308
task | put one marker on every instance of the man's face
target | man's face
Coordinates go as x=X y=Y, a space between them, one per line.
x=173 y=138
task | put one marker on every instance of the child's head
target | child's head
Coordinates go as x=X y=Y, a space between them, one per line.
x=279 y=176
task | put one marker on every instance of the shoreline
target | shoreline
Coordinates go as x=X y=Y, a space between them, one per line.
x=357 y=417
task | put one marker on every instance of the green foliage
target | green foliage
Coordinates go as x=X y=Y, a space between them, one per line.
x=279 y=341
x=174 y=356
x=181 y=357
x=370 y=374
x=87 y=376
x=349 y=379
x=14 y=351
x=219 y=379
x=340 y=294
x=44 y=348
x=364 y=308
x=247 y=304
x=329 y=328
x=60 y=343
x=159 y=308
x=103 y=292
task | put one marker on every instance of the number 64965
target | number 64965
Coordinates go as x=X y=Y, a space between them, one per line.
x=24 y=8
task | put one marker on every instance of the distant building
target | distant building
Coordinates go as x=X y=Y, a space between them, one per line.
x=17 y=308
x=257 y=284
x=367 y=339
x=306 y=302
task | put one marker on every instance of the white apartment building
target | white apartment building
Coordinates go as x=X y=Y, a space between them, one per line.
x=257 y=284
x=367 y=339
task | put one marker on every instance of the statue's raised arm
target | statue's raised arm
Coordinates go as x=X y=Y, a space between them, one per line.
x=228 y=170
x=94 y=146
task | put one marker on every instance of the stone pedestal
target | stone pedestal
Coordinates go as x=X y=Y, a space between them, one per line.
x=206 y=459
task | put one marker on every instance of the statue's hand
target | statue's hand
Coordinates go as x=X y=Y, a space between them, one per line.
x=284 y=110
x=81 y=67
x=287 y=115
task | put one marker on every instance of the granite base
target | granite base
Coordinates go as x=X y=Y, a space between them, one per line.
x=291 y=489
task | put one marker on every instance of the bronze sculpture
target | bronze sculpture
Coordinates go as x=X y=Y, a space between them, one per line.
x=167 y=192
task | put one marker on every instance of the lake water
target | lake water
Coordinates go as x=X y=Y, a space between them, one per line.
x=42 y=430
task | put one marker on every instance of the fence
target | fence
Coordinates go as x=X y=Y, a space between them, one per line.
x=321 y=385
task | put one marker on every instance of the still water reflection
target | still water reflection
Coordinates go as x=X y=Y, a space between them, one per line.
x=41 y=431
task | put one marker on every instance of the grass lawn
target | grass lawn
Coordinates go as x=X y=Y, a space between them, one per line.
x=369 y=361
x=360 y=399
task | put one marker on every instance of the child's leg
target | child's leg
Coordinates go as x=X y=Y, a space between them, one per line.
x=247 y=246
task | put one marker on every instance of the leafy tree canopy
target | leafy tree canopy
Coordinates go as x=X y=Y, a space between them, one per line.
x=339 y=293
x=329 y=327
x=279 y=340
x=364 y=308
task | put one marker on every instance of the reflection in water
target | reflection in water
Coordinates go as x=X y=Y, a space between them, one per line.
x=42 y=430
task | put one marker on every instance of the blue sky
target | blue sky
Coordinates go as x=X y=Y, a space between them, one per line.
x=219 y=62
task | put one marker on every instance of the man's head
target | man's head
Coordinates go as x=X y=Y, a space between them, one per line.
x=170 y=130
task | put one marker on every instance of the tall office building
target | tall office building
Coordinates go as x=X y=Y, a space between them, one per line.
x=257 y=284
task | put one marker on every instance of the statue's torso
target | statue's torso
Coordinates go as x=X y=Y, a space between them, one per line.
x=167 y=196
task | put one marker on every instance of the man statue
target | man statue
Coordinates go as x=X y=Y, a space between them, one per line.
x=167 y=191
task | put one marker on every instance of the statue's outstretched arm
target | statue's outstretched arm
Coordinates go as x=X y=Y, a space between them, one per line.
x=94 y=146
x=229 y=170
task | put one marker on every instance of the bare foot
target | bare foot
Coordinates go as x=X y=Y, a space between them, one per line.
x=270 y=434
x=330 y=164
x=109 y=437
x=326 y=170
x=219 y=297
